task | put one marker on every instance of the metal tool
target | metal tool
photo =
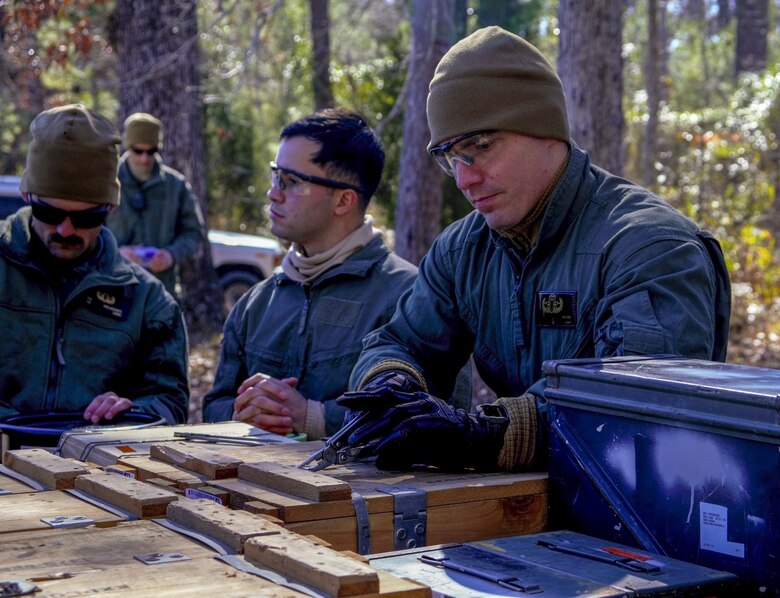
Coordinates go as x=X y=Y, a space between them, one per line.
x=337 y=450
x=505 y=581
x=219 y=439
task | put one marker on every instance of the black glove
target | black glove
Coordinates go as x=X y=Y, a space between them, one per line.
x=389 y=380
x=418 y=429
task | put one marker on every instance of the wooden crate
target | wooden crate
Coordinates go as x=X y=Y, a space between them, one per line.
x=23 y=512
x=95 y=560
x=456 y=507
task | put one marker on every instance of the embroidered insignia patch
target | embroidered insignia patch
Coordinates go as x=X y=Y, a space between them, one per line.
x=108 y=302
x=556 y=309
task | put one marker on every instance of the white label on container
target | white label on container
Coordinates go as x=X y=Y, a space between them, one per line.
x=714 y=528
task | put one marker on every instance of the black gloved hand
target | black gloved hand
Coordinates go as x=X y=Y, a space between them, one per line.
x=389 y=380
x=418 y=429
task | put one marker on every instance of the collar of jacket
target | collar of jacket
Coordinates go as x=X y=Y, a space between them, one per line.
x=357 y=265
x=566 y=202
x=125 y=175
x=109 y=267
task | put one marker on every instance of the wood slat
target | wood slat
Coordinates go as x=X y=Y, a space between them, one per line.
x=305 y=484
x=194 y=457
x=232 y=528
x=312 y=564
x=138 y=498
x=45 y=467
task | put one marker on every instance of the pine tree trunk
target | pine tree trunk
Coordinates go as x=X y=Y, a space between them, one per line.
x=320 y=41
x=752 y=29
x=159 y=61
x=418 y=209
x=590 y=65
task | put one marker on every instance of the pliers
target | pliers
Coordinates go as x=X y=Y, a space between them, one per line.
x=337 y=450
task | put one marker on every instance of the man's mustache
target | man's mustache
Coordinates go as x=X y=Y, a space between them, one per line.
x=71 y=240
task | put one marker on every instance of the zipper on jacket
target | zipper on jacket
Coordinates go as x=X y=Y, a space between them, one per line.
x=57 y=358
x=305 y=311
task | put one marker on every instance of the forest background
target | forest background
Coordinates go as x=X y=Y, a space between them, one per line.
x=682 y=96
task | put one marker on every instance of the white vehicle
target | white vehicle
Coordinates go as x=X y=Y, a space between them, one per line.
x=240 y=260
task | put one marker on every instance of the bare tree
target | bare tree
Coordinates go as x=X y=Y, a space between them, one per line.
x=752 y=29
x=320 y=41
x=159 y=59
x=653 y=83
x=590 y=65
x=418 y=209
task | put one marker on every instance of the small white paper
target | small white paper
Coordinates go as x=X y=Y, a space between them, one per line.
x=714 y=531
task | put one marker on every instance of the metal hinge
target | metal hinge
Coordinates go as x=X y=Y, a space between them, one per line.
x=68 y=521
x=409 y=516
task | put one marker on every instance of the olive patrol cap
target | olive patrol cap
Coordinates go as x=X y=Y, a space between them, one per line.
x=73 y=155
x=495 y=80
x=142 y=128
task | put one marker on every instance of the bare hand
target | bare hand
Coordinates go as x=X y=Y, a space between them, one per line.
x=271 y=404
x=106 y=406
x=128 y=252
x=162 y=260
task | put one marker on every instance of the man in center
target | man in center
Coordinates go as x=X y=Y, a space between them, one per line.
x=290 y=343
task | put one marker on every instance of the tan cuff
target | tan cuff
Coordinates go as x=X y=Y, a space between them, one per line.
x=520 y=437
x=314 y=424
x=394 y=364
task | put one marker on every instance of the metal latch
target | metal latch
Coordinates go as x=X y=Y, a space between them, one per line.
x=157 y=558
x=68 y=521
x=409 y=516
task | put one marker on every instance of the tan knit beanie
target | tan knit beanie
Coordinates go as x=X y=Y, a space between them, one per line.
x=73 y=155
x=495 y=80
x=142 y=128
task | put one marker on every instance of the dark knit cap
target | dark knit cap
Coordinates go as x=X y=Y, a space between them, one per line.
x=142 y=128
x=73 y=155
x=495 y=80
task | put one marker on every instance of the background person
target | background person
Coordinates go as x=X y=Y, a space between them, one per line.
x=559 y=259
x=158 y=223
x=290 y=342
x=85 y=330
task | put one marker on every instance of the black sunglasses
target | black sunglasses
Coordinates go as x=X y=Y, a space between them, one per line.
x=138 y=151
x=91 y=218
x=278 y=179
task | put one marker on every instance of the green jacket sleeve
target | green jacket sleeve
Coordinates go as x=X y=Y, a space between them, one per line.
x=189 y=224
x=161 y=385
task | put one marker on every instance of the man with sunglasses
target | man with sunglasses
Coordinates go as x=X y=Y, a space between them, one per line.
x=85 y=330
x=559 y=259
x=158 y=223
x=290 y=343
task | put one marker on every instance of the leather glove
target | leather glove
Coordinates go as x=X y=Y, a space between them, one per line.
x=388 y=380
x=418 y=429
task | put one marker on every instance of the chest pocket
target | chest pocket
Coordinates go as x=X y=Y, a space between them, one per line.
x=337 y=312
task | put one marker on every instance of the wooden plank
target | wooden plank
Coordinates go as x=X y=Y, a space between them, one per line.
x=192 y=456
x=306 y=562
x=45 y=467
x=232 y=528
x=147 y=468
x=23 y=512
x=198 y=577
x=308 y=485
x=9 y=485
x=142 y=500
x=70 y=550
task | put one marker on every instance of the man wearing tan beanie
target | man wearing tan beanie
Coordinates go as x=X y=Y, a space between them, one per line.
x=559 y=259
x=86 y=331
x=158 y=225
